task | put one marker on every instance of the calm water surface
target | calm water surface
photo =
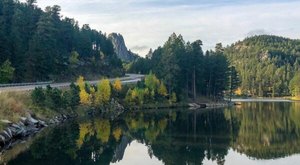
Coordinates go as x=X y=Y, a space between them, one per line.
x=252 y=133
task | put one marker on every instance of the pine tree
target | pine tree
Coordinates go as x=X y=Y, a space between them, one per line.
x=172 y=51
x=43 y=48
x=6 y=72
x=233 y=81
x=74 y=94
x=38 y=96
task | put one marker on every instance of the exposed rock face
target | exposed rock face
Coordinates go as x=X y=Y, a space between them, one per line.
x=149 y=54
x=120 y=48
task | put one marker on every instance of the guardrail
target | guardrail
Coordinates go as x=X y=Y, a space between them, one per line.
x=34 y=84
x=25 y=84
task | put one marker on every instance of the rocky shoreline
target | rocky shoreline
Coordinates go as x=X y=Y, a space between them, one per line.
x=26 y=127
x=29 y=126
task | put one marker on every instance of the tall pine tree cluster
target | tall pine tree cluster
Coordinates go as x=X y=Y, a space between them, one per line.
x=264 y=66
x=41 y=45
x=185 y=69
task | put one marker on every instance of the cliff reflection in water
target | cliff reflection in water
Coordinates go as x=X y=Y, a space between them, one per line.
x=259 y=130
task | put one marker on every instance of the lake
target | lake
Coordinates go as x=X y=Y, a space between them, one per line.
x=250 y=133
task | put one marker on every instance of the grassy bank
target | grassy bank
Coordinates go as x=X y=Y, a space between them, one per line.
x=14 y=105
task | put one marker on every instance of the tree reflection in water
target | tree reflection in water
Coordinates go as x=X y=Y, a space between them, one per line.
x=266 y=130
x=259 y=130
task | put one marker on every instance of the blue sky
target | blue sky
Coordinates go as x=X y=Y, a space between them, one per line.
x=147 y=24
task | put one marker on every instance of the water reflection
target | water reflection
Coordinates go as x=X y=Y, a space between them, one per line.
x=258 y=130
x=266 y=130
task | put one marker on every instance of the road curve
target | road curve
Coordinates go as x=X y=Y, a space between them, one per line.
x=129 y=78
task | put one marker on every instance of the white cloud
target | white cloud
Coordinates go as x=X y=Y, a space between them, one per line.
x=147 y=22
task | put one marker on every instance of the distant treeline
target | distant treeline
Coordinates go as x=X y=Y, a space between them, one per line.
x=37 y=45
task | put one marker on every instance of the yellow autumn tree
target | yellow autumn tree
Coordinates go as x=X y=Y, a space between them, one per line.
x=162 y=90
x=141 y=96
x=102 y=128
x=137 y=96
x=152 y=93
x=80 y=82
x=117 y=85
x=84 y=96
x=151 y=134
x=162 y=124
x=151 y=81
x=146 y=92
x=128 y=96
x=238 y=91
x=92 y=95
x=103 y=93
x=117 y=133
x=173 y=98
x=84 y=130
x=134 y=94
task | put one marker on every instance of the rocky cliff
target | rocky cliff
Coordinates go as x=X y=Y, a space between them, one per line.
x=120 y=48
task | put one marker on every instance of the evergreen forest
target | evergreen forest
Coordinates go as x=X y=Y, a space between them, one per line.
x=41 y=45
x=263 y=66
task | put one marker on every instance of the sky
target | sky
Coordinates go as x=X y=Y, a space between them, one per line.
x=147 y=24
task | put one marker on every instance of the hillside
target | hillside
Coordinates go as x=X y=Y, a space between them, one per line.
x=266 y=64
x=37 y=45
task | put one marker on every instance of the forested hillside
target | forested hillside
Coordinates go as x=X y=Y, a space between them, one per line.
x=266 y=65
x=37 y=45
x=185 y=69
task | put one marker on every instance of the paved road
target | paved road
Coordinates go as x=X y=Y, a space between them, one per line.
x=129 y=78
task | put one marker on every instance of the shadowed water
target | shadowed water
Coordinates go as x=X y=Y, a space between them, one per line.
x=251 y=133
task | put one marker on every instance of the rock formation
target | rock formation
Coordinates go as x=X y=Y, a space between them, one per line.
x=120 y=48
